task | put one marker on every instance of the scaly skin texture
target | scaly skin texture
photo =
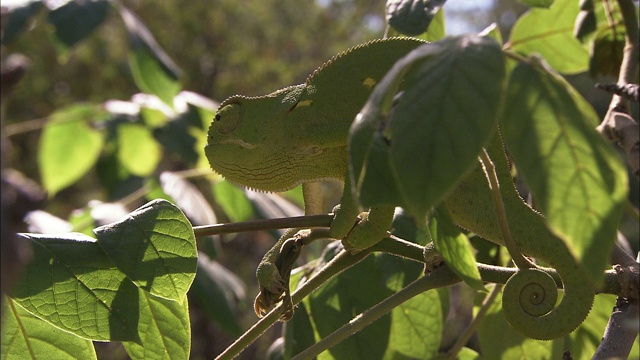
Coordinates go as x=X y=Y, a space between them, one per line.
x=471 y=207
x=298 y=135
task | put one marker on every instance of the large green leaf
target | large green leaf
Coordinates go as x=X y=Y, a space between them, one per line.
x=155 y=247
x=69 y=147
x=71 y=284
x=138 y=151
x=164 y=329
x=549 y=32
x=413 y=149
x=576 y=178
x=24 y=336
x=76 y=19
x=153 y=70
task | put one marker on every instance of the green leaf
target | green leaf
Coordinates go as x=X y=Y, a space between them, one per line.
x=345 y=296
x=75 y=20
x=155 y=247
x=138 y=151
x=233 y=201
x=164 y=329
x=412 y=17
x=299 y=333
x=416 y=327
x=498 y=340
x=69 y=147
x=455 y=248
x=584 y=340
x=549 y=32
x=607 y=50
x=538 y=3
x=153 y=70
x=24 y=336
x=71 y=284
x=576 y=178
x=438 y=125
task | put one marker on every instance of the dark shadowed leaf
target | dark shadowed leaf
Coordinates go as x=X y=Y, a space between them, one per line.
x=76 y=19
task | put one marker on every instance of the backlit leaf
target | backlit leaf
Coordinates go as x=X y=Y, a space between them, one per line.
x=155 y=247
x=69 y=147
x=576 y=178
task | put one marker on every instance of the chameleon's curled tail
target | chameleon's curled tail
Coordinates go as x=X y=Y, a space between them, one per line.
x=528 y=303
x=530 y=295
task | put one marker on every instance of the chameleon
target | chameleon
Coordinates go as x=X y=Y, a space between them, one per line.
x=299 y=135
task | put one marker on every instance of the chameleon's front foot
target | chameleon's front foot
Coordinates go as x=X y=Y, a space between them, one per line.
x=370 y=229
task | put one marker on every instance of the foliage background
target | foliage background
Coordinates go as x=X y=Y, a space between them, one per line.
x=222 y=47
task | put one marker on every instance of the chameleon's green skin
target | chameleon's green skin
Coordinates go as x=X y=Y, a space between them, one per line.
x=298 y=135
x=471 y=206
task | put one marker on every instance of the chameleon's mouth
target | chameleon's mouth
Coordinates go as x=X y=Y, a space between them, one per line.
x=239 y=142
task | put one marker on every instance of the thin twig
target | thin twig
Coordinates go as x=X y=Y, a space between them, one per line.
x=307 y=221
x=440 y=277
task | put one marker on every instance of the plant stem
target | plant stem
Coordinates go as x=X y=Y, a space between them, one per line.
x=490 y=170
x=307 y=221
x=339 y=263
x=439 y=278
x=471 y=329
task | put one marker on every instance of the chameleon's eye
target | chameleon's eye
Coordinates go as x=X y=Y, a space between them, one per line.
x=228 y=118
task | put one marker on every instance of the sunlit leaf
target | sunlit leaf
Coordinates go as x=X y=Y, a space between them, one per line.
x=24 y=336
x=549 y=32
x=71 y=284
x=155 y=246
x=454 y=247
x=69 y=147
x=138 y=151
x=164 y=329
x=576 y=178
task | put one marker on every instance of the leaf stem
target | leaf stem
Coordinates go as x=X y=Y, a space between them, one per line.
x=306 y=221
x=471 y=329
x=490 y=170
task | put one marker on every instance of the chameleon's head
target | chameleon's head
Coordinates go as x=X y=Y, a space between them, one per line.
x=251 y=142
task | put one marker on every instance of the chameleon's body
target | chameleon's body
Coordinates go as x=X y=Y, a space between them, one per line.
x=298 y=135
